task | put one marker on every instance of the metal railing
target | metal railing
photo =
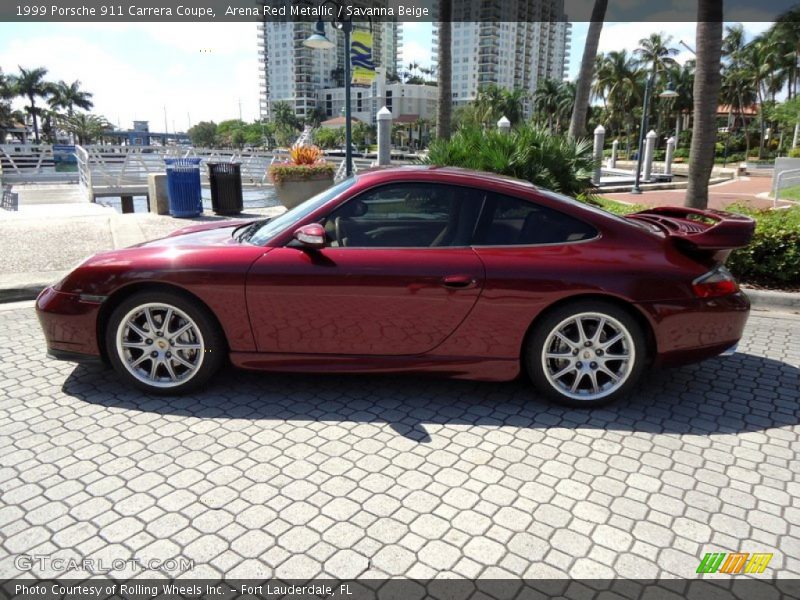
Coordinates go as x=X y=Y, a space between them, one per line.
x=9 y=200
x=118 y=170
x=784 y=180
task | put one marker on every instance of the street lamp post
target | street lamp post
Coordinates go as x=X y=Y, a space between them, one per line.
x=668 y=93
x=318 y=40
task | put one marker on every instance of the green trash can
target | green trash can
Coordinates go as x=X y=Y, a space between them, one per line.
x=225 y=180
x=183 y=187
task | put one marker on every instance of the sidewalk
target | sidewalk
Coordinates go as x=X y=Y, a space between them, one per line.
x=747 y=190
x=55 y=229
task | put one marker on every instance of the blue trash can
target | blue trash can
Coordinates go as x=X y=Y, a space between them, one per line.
x=183 y=187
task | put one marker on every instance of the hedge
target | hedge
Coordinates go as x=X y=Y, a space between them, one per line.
x=773 y=257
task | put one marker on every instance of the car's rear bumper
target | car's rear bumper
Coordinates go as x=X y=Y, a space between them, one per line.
x=69 y=324
x=696 y=329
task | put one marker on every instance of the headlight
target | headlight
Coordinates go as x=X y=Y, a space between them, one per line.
x=61 y=281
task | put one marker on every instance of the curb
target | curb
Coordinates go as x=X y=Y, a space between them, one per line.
x=766 y=299
x=26 y=286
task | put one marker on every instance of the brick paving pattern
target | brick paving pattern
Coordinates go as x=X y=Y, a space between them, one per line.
x=321 y=476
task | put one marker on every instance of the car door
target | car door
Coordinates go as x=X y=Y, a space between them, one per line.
x=397 y=276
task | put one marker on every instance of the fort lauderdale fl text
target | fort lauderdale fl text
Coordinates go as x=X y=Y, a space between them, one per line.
x=89 y=589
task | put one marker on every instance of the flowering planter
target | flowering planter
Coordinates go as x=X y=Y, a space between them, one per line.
x=291 y=191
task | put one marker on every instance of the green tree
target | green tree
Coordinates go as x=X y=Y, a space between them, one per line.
x=67 y=96
x=284 y=117
x=548 y=101
x=6 y=114
x=203 y=134
x=529 y=152
x=31 y=84
x=86 y=128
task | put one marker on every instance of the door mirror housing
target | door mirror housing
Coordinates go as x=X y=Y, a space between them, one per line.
x=311 y=236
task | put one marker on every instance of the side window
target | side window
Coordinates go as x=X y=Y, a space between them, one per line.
x=410 y=215
x=510 y=221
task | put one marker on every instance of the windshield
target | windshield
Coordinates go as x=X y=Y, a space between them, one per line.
x=273 y=227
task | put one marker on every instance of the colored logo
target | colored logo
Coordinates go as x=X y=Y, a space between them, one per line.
x=735 y=563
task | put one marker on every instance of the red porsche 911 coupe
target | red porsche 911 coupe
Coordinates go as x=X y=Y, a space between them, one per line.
x=420 y=270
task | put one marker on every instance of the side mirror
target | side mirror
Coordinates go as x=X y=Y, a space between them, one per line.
x=311 y=236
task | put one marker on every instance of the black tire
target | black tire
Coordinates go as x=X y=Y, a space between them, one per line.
x=593 y=365
x=205 y=333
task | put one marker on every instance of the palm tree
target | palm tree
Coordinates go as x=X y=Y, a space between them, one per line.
x=6 y=114
x=445 y=65
x=67 y=96
x=620 y=83
x=577 y=124
x=85 y=127
x=547 y=101
x=706 y=98
x=31 y=84
x=656 y=50
x=284 y=116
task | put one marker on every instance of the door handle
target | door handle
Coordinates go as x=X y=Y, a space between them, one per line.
x=458 y=281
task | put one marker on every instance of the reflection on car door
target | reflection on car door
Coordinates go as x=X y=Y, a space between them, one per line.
x=373 y=291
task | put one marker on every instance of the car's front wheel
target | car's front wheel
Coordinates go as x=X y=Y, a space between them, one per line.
x=163 y=343
x=587 y=353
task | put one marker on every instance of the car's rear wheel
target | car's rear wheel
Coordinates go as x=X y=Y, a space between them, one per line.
x=587 y=353
x=163 y=343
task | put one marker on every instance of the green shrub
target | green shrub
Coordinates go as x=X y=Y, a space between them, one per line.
x=794 y=153
x=773 y=256
x=527 y=152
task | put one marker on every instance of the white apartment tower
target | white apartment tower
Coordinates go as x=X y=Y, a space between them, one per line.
x=513 y=45
x=293 y=73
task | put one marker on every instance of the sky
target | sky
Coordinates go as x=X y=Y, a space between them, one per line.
x=176 y=74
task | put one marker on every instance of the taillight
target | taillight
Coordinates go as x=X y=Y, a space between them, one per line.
x=715 y=283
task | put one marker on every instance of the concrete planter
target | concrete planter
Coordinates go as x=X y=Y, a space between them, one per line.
x=292 y=192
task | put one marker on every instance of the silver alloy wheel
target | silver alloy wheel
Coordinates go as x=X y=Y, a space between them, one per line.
x=160 y=345
x=588 y=356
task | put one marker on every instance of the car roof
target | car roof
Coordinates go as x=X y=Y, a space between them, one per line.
x=454 y=174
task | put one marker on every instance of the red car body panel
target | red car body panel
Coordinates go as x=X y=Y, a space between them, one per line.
x=463 y=312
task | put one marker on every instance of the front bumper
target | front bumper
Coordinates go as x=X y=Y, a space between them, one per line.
x=69 y=324
x=695 y=329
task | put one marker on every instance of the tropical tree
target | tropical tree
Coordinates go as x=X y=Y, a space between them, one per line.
x=203 y=134
x=31 y=84
x=546 y=101
x=657 y=51
x=86 y=128
x=445 y=65
x=283 y=115
x=528 y=152
x=583 y=90
x=706 y=98
x=620 y=83
x=67 y=96
x=6 y=114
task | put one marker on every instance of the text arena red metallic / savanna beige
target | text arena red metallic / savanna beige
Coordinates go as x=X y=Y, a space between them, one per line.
x=416 y=269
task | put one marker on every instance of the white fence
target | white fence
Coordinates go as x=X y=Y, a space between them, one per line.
x=31 y=163
x=123 y=170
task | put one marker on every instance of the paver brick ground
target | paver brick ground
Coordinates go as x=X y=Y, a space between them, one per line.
x=303 y=476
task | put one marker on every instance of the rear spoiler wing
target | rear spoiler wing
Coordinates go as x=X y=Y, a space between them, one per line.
x=705 y=230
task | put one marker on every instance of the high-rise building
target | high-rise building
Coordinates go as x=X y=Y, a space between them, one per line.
x=293 y=73
x=513 y=45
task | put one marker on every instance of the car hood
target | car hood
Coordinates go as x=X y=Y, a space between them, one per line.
x=203 y=234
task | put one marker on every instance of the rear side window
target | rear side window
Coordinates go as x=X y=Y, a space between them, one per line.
x=508 y=221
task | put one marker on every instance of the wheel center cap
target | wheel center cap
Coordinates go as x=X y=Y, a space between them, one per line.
x=587 y=354
x=162 y=344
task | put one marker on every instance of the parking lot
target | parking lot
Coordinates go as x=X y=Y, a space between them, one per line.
x=327 y=476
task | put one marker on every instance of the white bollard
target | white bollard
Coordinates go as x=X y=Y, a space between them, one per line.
x=612 y=162
x=649 y=150
x=668 y=158
x=599 y=140
x=504 y=125
x=796 y=137
x=384 y=119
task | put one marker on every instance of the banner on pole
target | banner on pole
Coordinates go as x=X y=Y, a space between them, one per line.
x=361 y=58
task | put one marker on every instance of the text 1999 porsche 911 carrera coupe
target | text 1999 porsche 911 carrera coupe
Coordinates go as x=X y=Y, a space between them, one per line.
x=417 y=269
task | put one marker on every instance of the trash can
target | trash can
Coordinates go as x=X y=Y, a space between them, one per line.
x=183 y=187
x=225 y=180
